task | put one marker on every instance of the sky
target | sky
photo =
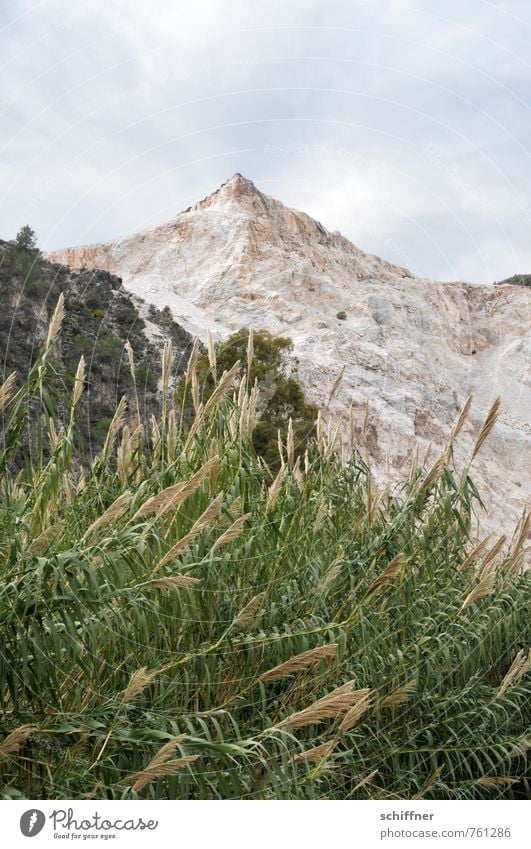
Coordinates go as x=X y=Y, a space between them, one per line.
x=404 y=124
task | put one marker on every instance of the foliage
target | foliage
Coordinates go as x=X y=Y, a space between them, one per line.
x=282 y=397
x=26 y=238
x=101 y=318
x=341 y=315
x=173 y=626
x=145 y=377
x=519 y=280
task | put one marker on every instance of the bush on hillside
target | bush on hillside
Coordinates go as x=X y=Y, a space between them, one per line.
x=282 y=397
x=99 y=319
x=519 y=280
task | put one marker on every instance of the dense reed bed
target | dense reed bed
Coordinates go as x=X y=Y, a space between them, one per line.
x=178 y=623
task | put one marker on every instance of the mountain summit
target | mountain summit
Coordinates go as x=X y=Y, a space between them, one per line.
x=412 y=349
x=235 y=246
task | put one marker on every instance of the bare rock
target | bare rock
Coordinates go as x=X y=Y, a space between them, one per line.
x=413 y=350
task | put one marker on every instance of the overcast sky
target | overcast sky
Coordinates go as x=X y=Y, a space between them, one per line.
x=405 y=124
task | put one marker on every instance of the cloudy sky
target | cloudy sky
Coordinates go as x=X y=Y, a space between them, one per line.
x=403 y=123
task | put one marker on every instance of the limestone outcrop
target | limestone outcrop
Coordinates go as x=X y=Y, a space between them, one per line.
x=412 y=349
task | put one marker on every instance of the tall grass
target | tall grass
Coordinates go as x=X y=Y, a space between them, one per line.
x=176 y=624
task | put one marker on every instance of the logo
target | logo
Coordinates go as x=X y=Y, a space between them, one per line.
x=32 y=822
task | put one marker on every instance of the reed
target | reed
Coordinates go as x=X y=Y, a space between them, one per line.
x=180 y=622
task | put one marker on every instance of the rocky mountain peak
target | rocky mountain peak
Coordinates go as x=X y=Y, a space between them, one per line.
x=237 y=188
x=412 y=349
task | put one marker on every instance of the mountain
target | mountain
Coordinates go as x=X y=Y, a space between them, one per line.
x=412 y=349
x=100 y=317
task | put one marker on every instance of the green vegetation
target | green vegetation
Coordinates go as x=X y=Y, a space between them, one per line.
x=341 y=315
x=281 y=397
x=146 y=379
x=101 y=320
x=26 y=238
x=25 y=256
x=176 y=624
x=519 y=280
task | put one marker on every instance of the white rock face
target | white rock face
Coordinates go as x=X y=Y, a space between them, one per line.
x=412 y=349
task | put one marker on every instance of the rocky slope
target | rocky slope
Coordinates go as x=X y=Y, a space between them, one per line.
x=413 y=350
x=100 y=316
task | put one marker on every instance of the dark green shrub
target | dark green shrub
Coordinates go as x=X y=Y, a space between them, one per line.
x=283 y=398
x=26 y=239
x=109 y=349
x=519 y=280
x=146 y=378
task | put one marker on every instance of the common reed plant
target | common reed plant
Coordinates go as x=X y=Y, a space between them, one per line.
x=179 y=622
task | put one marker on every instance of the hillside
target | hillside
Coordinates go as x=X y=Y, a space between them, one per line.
x=100 y=317
x=412 y=350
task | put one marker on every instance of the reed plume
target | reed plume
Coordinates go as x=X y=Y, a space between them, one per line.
x=13 y=741
x=79 y=382
x=250 y=350
x=199 y=525
x=487 y=427
x=330 y=576
x=211 y=350
x=315 y=754
x=483 y=588
x=391 y=571
x=275 y=488
x=433 y=779
x=162 y=764
x=172 y=496
x=519 y=667
x=290 y=445
x=399 y=696
x=232 y=533
x=300 y=661
x=246 y=615
x=335 y=387
x=7 y=390
x=138 y=682
x=114 y=511
x=355 y=712
x=457 y=427
x=116 y=424
x=492 y=554
x=44 y=539
x=56 y=322
x=225 y=382
x=366 y=780
x=338 y=701
x=167 y=367
x=172 y=582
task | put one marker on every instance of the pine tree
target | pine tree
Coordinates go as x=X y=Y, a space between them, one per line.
x=26 y=238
